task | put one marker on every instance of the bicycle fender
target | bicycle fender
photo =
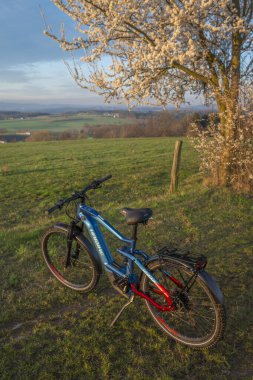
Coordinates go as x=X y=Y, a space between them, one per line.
x=212 y=285
x=78 y=233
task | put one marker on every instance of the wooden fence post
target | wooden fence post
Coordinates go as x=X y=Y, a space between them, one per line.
x=175 y=166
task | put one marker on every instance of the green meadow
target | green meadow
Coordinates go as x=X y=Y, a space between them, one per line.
x=50 y=332
x=59 y=123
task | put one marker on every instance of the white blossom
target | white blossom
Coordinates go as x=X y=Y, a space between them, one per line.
x=159 y=48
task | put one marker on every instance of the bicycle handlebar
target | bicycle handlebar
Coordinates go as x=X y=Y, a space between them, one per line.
x=105 y=178
x=95 y=184
x=78 y=194
x=52 y=209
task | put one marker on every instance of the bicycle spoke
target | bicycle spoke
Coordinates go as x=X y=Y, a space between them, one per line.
x=198 y=324
x=202 y=316
x=83 y=263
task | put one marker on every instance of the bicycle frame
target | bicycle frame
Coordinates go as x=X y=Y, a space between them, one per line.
x=91 y=219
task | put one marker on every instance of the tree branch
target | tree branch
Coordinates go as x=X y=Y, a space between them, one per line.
x=190 y=72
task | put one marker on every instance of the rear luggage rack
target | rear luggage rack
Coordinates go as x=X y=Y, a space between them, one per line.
x=197 y=262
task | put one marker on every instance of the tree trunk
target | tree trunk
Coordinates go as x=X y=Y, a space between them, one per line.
x=228 y=105
x=228 y=112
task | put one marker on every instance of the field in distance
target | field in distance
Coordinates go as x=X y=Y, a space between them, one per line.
x=60 y=123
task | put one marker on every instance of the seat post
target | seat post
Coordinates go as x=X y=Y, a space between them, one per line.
x=134 y=234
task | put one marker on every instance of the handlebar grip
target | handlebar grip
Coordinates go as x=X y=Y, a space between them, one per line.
x=52 y=209
x=105 y=178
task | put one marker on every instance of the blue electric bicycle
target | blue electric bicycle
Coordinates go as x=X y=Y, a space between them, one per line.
x=183 y=299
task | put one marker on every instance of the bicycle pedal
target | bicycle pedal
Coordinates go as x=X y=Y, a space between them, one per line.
x=122 y=284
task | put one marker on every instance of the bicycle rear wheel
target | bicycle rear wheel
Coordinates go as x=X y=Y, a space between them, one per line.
x=198 y=319
x=81 y=273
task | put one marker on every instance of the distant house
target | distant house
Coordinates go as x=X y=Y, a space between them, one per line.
x=23 y=133
x=109 y=114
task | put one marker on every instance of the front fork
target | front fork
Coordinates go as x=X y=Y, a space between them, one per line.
x=70 y=238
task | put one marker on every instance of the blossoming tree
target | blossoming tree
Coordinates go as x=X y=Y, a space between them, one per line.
x=161 y=49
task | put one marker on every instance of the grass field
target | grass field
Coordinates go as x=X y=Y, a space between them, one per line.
x=61 y=123
x=50 y=332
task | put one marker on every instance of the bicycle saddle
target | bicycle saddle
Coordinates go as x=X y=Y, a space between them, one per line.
x=136 y=215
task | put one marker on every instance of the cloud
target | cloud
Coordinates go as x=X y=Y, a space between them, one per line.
x=13 y=76
x=31 y=64
x=43 y=81
x=21 y=32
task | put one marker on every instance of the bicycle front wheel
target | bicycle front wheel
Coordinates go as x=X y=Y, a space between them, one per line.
x=81 y=273
x=198 y=319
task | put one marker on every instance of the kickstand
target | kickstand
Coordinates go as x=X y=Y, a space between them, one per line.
x=122 y=309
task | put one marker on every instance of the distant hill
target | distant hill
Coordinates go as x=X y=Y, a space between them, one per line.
x=74 y=108
x=17 y=114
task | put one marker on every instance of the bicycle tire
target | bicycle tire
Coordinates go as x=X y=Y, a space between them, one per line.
x=211 y=313
x=82 y=274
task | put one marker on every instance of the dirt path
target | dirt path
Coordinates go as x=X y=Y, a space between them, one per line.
x=20 y=330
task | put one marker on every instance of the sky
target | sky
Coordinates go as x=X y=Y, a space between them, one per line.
x=32 y=68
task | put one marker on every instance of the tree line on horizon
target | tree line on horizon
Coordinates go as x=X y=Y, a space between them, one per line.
x=162 y=124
